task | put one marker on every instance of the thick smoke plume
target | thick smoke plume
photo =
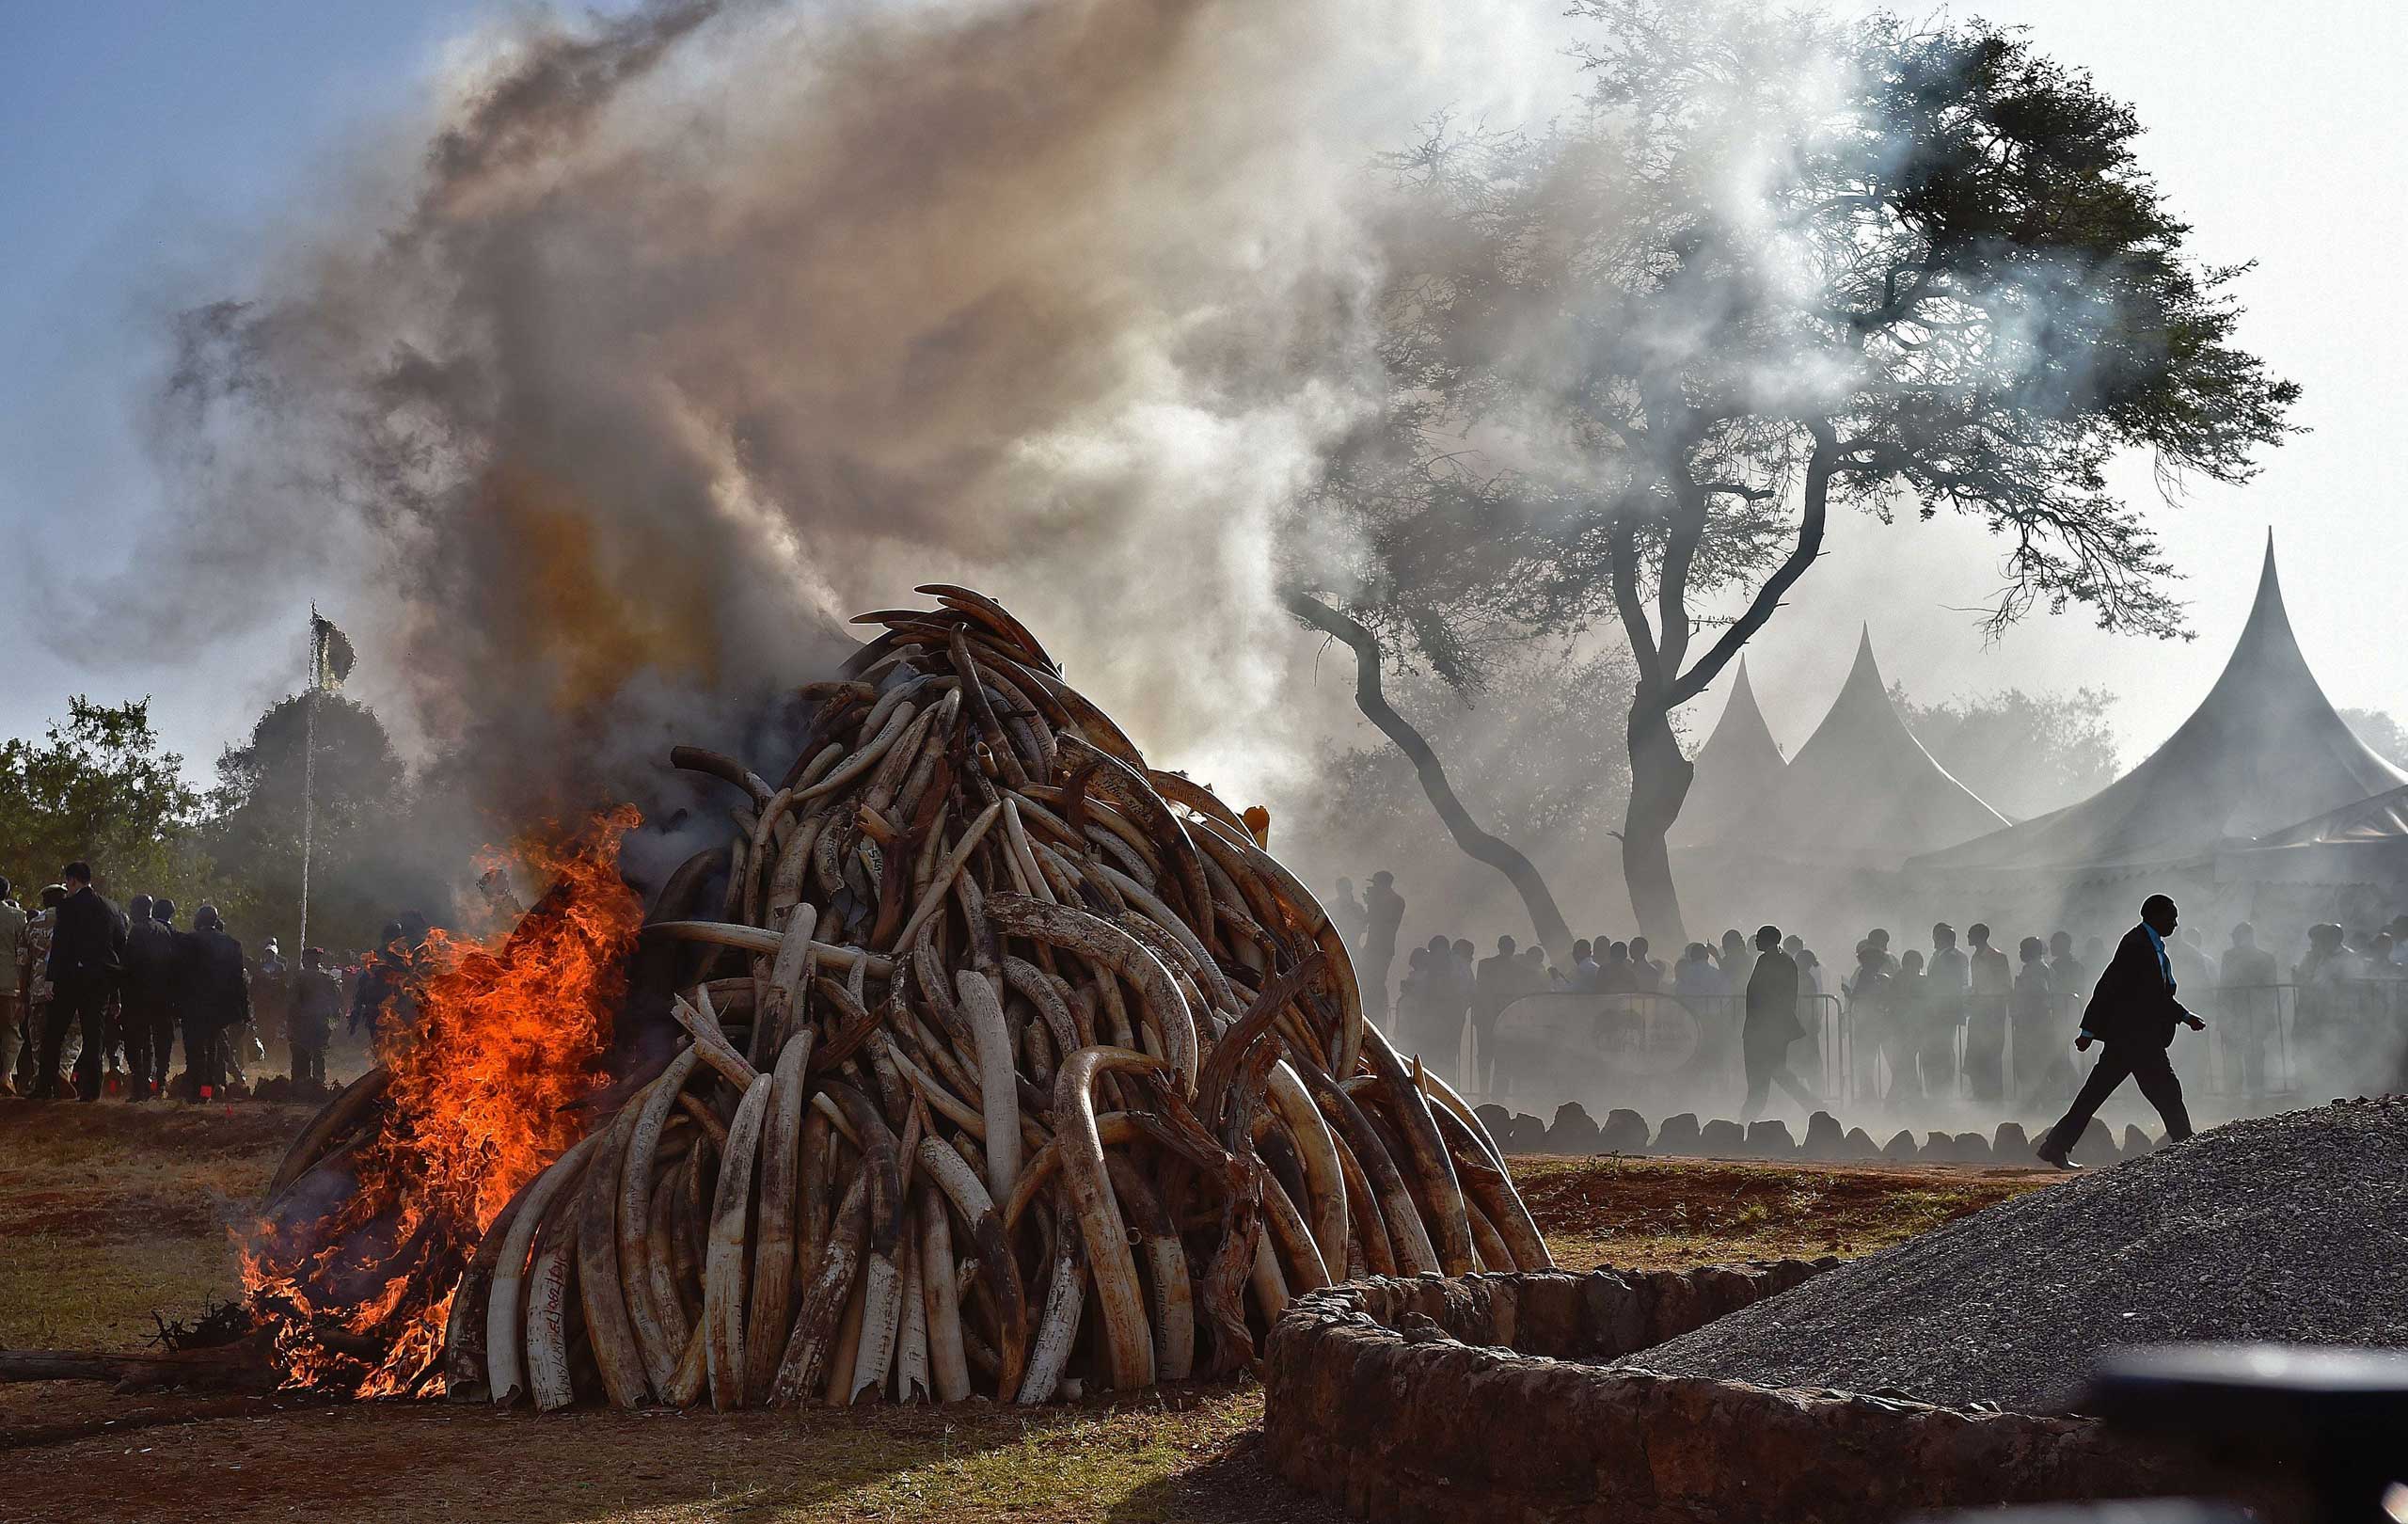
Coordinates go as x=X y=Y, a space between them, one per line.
x=680 y=335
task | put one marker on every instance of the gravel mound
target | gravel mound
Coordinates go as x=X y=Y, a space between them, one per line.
x=2292 y=1227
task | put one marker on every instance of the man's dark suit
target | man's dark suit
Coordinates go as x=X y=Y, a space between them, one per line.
x=215 y=994
x=149 y=1000
x=2132 y=1013
x=87 y=953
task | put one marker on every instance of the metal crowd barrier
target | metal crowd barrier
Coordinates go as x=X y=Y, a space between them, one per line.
x=2259 y=1039
x=1588 y=1043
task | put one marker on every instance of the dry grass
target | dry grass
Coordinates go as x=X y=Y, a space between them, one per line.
x=1671 y=1214
x=108 y=1212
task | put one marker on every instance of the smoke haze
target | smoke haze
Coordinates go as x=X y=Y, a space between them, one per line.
x=678 y=337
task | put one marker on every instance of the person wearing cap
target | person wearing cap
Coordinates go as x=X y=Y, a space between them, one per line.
x=86 y=954
x=309 y=1022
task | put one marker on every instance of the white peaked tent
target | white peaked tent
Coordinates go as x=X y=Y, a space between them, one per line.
x=2262 y=755
x=1863 y=789
x=1737 y=770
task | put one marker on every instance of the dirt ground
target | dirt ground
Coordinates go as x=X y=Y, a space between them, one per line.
x=110 y=1212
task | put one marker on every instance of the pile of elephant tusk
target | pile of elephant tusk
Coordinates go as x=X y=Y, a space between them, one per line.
x=1010 y=1069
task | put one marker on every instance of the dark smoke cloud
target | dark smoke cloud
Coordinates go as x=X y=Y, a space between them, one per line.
x=677 y=338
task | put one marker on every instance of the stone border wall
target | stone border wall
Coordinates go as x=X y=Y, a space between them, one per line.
x=1428 y=1399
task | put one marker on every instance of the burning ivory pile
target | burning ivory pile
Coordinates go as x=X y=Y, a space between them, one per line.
x=1011 y=1068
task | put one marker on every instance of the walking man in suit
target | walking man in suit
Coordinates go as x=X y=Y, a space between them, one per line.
x=2132 y=1014
x=1771 y=1027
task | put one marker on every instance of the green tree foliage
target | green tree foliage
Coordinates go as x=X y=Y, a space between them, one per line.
x=2027 y=753
x=1775 y=263
x=362 y=869
x=98 y=787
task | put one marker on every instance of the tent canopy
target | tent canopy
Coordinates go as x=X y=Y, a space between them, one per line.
x=1863 y=788
x=1738 y=768
x=2263 y=752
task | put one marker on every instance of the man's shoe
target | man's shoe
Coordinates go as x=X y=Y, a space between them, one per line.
x=2054 y=1157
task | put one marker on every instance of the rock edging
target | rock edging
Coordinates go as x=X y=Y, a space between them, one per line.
x=1429 y=1399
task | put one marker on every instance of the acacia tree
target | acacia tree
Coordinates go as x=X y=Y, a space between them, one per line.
x=1776 y=265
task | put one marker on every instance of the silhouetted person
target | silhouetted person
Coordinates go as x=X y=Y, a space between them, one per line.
x=216 y=998
x=2028 y=1015
x=148 y=995
x=2131 y=1015
x=1495 y=983
x=2246 y=996
x=1383 y=914
x=86 y=954
x=1585 y=975
x=2069 y=986
x=1880 y=937
x=1991 y=983
x=1695 y=977
x=13 y=948
x=1412 y=997
x=375 y=998
x=1948 y=981
x=1615 y=978
x=1906 y=994
x=1737 y=961
x=1646 y=973
x=1348 y=911
x=317 y=999
x=1873 y=1022
x=1464 y=968
x=1771 y=1027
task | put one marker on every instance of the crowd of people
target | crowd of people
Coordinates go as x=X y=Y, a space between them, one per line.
x=1979 y=1023
x=94 y=998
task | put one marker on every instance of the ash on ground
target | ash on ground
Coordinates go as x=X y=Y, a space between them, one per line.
x=2291 y=1229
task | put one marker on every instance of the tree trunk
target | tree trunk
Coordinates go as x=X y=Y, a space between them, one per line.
x=1547 y=922
x=1659 y=774
x=1659 y=781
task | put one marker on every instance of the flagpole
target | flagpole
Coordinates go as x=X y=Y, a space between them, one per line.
x=308 y=772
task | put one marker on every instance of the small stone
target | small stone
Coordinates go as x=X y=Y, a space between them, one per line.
x=1771 y=1141
x=2137 y=1143
x=1574 y=1130
x=1824 y=1139
x=1625 y=1131
x=2009 y=1145
x=1678 y=1134
x=1859 y=1145
x=1972 y=1147
x=1939 y=1148
x=1901 y=1147
x=1723 y=1138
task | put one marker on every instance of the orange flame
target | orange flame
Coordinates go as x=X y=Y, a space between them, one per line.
x=506 y=1040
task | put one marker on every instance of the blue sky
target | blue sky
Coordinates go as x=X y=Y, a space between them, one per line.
x=140 y=145
x=137 y=143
